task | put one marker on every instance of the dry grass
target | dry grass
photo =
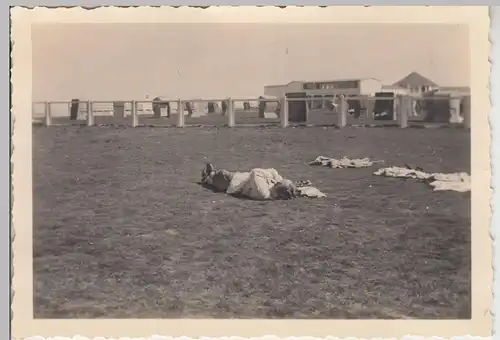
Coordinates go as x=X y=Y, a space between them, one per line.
x=121 y=229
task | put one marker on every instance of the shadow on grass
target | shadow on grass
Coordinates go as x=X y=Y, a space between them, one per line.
x=215 y=191
x=208 y=187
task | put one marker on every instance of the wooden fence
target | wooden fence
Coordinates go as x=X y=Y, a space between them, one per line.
x=287 y=110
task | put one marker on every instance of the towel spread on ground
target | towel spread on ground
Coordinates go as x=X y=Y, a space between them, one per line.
x=258 y=184
x=344 y=162
x=459 y=181
x=310 y=191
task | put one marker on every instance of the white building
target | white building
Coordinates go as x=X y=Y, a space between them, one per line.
x=455 y=90
x=413 y=83
x=364 y=86
x=395 y=89
x=416 y=84
x=280 y=90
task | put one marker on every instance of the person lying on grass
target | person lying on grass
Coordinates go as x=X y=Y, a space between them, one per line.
x=258 y=184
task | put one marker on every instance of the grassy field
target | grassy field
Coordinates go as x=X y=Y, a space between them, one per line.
x=122 y=229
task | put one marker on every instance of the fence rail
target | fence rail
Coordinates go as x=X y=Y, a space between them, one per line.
x=403 y=107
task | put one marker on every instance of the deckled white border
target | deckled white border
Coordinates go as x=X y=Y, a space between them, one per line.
x=494 y=119
x=296 y=15
x=268 y=337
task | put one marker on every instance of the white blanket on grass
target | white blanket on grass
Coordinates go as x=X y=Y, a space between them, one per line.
x=458 y=181
x=258 y=184
x=343 y=162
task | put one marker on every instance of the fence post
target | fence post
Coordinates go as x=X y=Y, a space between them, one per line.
x=90 y=117
x=308 y=111
x=180 y=115
x=119 y=109
x=466 y=111
x=342 y=114
x=133 y=111
x=455 y=110
x=396 y=102
x=48 y=118
x=404 y=106
x=467 y=120
x=284 y=112
x=74 y=108
x=230 y=109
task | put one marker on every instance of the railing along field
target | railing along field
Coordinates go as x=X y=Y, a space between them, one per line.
x=287 y=110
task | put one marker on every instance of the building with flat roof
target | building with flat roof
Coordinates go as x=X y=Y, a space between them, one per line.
x=413 y=83
x=360 y=86
x=280 y=90
x=321 y=92
x=456 y=90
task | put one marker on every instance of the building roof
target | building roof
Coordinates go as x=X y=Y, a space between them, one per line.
x=459 y=88
x=323 y=81
x=274 y=85
x=392 y=86
x=335 y=80
x=414 y=79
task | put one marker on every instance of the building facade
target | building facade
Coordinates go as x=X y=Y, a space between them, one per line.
x=455 y=90
x=363 y=87
x=416 y=84
x=280 y=90
x=413 y=84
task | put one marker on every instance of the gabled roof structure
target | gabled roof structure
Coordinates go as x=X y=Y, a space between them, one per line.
x=413 y=80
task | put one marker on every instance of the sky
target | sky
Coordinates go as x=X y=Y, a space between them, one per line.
x=132 y=61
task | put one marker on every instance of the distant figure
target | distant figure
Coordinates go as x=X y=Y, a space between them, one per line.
x=278 y=109
x=158 y=104
x=262 y=107
x=354 y=108
x=74 y=109
x=211 y=107
x=189 y=109
x=332 y=106
x=436 y=107
x=246 y=106
x=224 y=107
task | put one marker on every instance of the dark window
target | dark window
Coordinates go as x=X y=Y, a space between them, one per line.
x=348 y=84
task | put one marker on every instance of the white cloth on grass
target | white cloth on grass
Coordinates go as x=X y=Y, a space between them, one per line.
x=343 y=162
x=458 y=181
x=310 y=191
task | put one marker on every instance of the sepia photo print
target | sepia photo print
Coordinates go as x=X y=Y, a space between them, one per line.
x=256 y=170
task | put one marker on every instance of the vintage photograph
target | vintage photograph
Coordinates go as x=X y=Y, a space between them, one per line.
x=304 y=171
x=251 y=171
